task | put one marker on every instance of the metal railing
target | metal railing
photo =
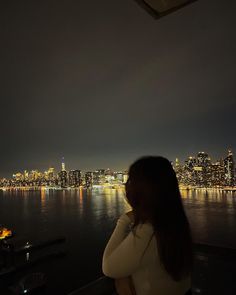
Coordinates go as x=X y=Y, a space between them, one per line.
x=208 y=260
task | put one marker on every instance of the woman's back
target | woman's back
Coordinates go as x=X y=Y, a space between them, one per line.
x=157 y=254
x=136 y=255
x=151 y=277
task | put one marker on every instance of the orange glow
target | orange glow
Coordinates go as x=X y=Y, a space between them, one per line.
x=5 y=233
x=80 y=194
x=43 y=196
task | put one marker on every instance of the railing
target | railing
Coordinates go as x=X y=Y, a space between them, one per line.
x=101 y=286
x=214 y=271
x=14 y=260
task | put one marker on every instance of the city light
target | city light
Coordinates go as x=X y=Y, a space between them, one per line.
x=201 y=172
x=196 y=172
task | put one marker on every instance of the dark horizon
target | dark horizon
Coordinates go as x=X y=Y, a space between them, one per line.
x=104 y=85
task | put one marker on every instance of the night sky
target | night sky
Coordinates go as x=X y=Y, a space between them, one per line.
x=102 y=83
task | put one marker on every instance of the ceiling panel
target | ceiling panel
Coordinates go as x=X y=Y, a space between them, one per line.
x=159 y=8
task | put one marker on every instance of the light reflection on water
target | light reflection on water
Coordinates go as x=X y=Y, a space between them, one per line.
x=212 y=213
x=87 y=217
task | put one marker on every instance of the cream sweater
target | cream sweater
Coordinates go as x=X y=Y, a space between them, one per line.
x=137 y=256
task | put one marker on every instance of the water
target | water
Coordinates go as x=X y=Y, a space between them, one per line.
x=86 y=219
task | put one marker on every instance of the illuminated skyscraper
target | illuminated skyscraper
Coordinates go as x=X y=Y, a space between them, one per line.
x=89 y=179
x=203 y=169
x=75 y=178
x=229 y=169
x=177 y=163
x=190 y=163
x=217 y=174
x=62 y=177
x=189 y=173
x=63 y=165
x=203 y=159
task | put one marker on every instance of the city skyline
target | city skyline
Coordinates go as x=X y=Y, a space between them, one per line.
x=103 y=90
x=62 y=164
x=196 y=171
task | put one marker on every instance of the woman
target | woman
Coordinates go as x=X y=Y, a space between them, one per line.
x=155 y=257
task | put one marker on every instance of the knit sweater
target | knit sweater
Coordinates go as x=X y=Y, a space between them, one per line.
x=136 y=255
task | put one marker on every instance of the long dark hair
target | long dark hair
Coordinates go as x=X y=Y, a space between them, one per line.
x=152 y=191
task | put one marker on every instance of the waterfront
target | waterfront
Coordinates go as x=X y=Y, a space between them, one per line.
x=86 y=218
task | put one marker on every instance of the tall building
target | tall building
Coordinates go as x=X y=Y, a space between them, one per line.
x=75 y=178
x=203 y=159
x=190 y=163
x=203 y=170
x=62 y=175
x=229 y=169
x=188 y=176
x=217 y=174
x=63 y=165
x=62 y=179
x=177 y=164
x=88 y=179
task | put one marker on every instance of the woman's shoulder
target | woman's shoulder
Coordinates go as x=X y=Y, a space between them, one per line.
x=144 y=229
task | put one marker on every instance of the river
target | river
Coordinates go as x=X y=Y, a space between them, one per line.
x=86 y=218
